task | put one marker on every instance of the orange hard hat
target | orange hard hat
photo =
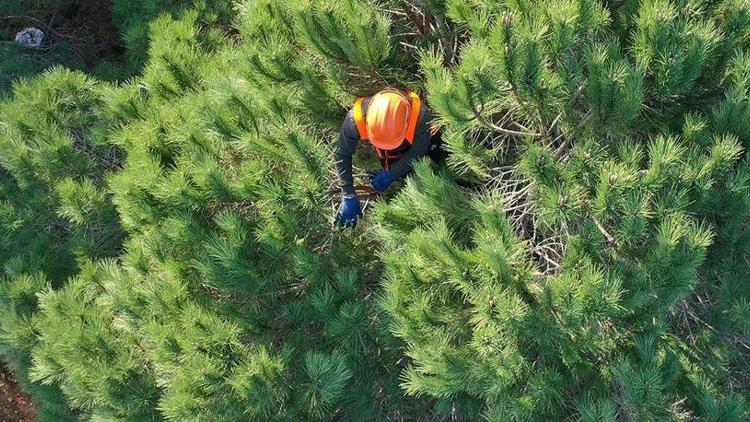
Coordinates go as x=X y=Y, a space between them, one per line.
x=388 y=119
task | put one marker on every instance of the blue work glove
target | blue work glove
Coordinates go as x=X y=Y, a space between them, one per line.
x=382 y=180
x=349 y=211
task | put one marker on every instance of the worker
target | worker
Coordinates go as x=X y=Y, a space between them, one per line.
x=398 y=125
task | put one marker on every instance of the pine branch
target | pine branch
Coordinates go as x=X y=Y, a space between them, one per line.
x=553 y=125
x=525 y=205
x=414 y=19
x=489 y=125
x=554 y=265
x=446 y=39
x=560 y=151
x=606 y=235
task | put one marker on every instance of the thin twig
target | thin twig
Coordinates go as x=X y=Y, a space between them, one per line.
x=554 y=141
x=518 y=207
x=489 y=125
x=407 y=45
x=40 y=22
x=394 y=12
x=554 y=264
x=554 y=122
x=561 y=149
x=442 y=27
x=415 y=19
x=608 y=236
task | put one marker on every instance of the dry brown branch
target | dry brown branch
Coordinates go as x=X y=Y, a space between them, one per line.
x=554 y=265
x=489 y=125
x=414 y=19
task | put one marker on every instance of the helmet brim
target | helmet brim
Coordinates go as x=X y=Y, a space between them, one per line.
x=387 y=144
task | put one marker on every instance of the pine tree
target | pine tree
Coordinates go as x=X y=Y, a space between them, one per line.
x=55 y=209
x=606 y=165
x=233 y=288
x=167 y=248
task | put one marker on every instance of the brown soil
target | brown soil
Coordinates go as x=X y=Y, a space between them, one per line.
x=85 y=26
x=15 y=405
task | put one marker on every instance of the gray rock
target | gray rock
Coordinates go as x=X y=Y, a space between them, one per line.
x=30 y=37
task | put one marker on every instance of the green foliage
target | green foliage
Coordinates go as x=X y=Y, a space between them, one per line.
x=167 y=249
x=18 y=62
x=54 y=207
x=73 y=331
x=327 y=377
x=134 y=19
x=230 y=287
x=54 y=161
x=612 y=158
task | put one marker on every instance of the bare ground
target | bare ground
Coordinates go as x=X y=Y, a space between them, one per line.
x=15 y=405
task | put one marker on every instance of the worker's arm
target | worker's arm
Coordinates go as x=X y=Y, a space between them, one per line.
x=419 y=148
x=347 y=144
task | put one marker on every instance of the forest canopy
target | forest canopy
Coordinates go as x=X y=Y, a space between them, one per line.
x=167 y=246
